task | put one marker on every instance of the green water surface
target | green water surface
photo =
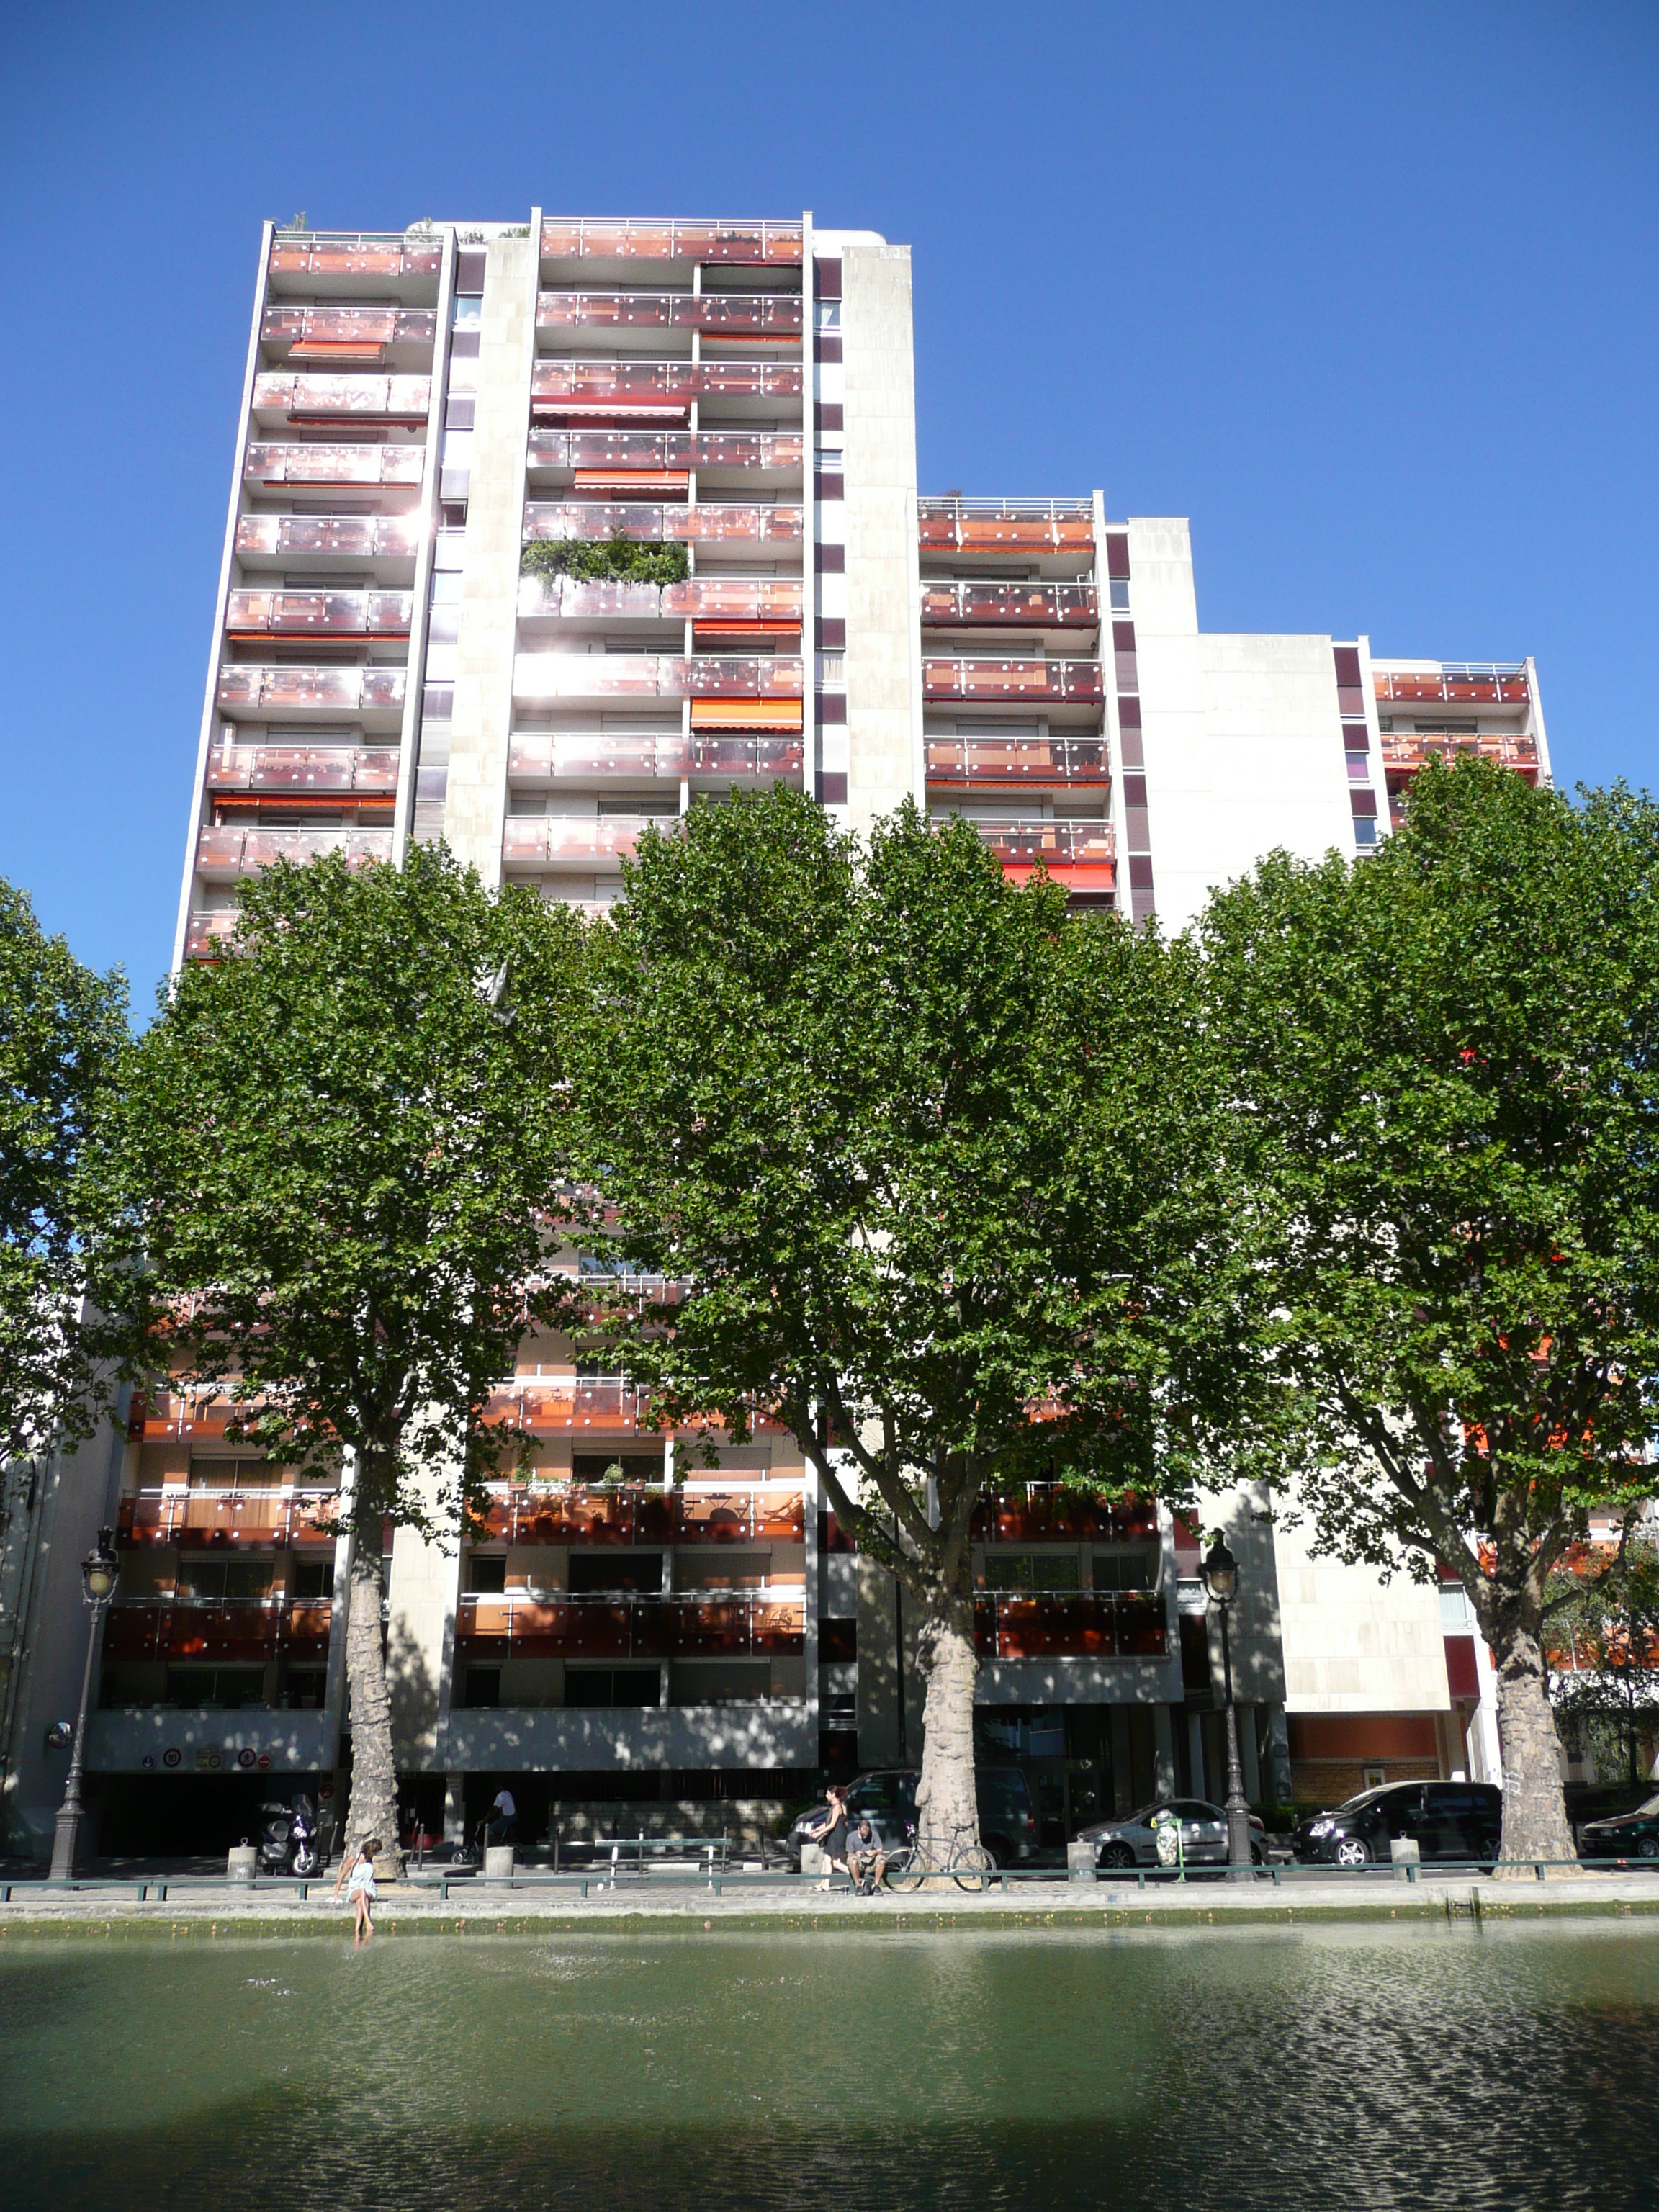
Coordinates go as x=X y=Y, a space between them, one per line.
x=1505 y=2068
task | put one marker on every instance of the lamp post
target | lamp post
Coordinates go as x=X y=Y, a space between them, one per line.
x=1221 y=1586
x=100 y=1571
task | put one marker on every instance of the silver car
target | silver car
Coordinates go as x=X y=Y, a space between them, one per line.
x=1132 y=1841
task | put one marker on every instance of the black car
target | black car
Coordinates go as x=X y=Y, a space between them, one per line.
x=1460 y=1820
x=887 y=1796
x=1626 y=1836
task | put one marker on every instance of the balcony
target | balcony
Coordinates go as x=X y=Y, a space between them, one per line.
x=559 y=1405
x=765 y=317
x=630 y=1627
x=363 y=689
x=1477 y=684
x=544 y=840
x=607 y=451
x=200 y=1520
x=1034 y=606
x=1403 y=756
x=1055 y=1514
x=577 y=391
x=224 y=852
x=347 y=337
x=1086 y=1625
x=996 y=525
x=746 y=245
x=251 y=1630
x=404 y=401
x=1057 y=844
x=318 y=614
x=345 y=537
x=334 y=465
x=1050 y=681
x=207 y=935
x=363 y=769
x=546 y=755
x=544 y=676
x=757 y=602
x=634 y=1514
x=352 y=253
x=590 y=521
x=1011 y=762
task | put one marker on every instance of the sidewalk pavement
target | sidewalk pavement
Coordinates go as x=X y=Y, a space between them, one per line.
x=658 y=1904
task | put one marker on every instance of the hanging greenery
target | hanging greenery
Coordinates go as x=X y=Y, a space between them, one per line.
x=613 y=561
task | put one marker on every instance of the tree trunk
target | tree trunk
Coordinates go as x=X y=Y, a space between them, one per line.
x=1535 y=1825
x=372 y=1808
x=947 y=1809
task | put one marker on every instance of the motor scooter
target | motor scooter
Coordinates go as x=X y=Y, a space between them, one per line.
x=288 y=1841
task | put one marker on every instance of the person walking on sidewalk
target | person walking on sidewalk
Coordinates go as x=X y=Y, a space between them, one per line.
x=359 y=1866
x=831 y=1834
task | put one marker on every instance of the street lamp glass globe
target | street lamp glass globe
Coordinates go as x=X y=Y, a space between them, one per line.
x=1220 y=1573
x=101 y=1568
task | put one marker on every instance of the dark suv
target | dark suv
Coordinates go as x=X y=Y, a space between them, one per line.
x=1007 y=1817
x=1448 y=1820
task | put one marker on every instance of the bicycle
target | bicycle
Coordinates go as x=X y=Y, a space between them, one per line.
x=970 y=1865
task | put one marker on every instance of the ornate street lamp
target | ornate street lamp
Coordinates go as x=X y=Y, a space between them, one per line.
x=100 y=1571
x=1221 y=1586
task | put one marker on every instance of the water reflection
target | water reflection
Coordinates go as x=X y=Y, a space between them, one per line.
x=1495 y=2071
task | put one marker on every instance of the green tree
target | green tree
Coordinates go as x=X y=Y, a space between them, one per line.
x=337 y=1154
x=62 y=1028
x=1443 y=1061
x=1602 y=1631
x=930 y=1158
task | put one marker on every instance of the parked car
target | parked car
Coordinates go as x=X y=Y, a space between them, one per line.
x=1626 y=1836
x=1132 y=1841
x=1447 y=1821
x=1007 y=1817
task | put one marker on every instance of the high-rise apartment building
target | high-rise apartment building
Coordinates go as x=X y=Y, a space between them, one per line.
x=434 y=425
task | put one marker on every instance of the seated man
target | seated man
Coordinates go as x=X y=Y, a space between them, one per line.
x=867 y=1862
x=503 y=1826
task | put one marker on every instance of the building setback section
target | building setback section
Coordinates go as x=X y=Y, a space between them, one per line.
x=402 y=652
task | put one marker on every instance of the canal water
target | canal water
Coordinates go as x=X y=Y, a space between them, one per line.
x=1457 y=2068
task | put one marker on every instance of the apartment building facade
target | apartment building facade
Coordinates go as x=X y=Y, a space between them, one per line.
x=410 y=643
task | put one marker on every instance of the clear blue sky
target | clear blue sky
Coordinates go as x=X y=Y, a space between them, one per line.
x=1367 y=291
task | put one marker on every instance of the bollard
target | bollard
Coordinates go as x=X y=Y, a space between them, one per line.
x=1079 y=1862
x=811 y=1859
x=242 y=1864
x=1407 y=1853
x=498 y=1863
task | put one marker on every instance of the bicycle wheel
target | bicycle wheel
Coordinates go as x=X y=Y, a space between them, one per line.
x=906 y=1869
x=973 y=1867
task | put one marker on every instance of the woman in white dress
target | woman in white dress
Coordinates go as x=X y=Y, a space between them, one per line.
x=357 y=1872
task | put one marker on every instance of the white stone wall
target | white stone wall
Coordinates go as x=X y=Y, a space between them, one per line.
x=1353 y=1643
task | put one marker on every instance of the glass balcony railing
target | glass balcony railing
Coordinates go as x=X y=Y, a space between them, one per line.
x=205 y=1520
x=1404 y=754
x=252 y=1630
x=366 y=770
x=207 y=935
x=632 y=1514
x=540 y=840
x=352 y=253
x=403 y=400
x=1085 y=1625
x=993 y=761
x=356 y=536
x=224 y=851
x=576 y=389
x=1055 y=1514
x=664 y=449
x=345 y=335
x=1058 y=843
x=655 y=675
x=989 y=525
x=630 y=1627
x=590 y=521
x=773 y=601
x=1039 y=606
x=361 y=689
x=743 y=244
x=760 y=315
x=1052 y=680
x=1474 y=684
x=318 y=614
x=332 y=464
x=537 y=754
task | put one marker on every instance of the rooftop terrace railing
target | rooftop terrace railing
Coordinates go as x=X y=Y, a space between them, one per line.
x=996 y=524
x=1463 y=682
x=566 y=238
x=354 y=253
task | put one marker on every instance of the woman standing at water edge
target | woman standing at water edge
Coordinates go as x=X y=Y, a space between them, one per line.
x=831 y=1834
x=359 y=1866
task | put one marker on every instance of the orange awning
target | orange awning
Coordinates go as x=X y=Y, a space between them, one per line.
x=745 y=713
x=633 y=482
x=355 y=352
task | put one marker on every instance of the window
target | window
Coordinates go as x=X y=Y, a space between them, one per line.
x=838 y=1642
x=1031 y=1571
x=1118 y=1569
x=311 y=1578
x=589 y=1689
x=487 y=1572
x=483 y=1686
x=213 y=1688
x=639 y=1572
x=209 y=1580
